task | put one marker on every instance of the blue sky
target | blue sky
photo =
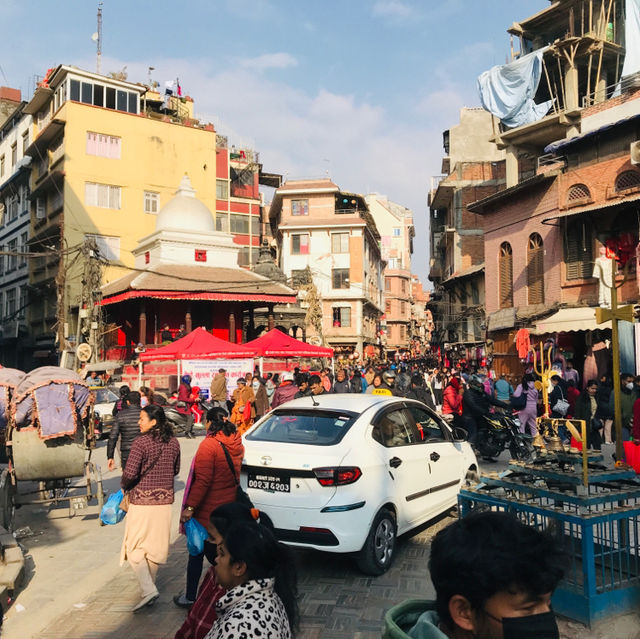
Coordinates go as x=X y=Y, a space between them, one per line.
x=361 y=89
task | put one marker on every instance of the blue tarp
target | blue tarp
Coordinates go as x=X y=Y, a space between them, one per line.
x=632 y=38
x=507 y=91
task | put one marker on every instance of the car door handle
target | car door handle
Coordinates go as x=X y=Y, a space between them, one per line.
x=434 y=456
x=394 y=462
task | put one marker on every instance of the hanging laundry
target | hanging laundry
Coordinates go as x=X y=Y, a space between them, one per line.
x=523 y=343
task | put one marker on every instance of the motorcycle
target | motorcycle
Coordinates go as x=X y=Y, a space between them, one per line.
x=179 y=420
x=498 y=431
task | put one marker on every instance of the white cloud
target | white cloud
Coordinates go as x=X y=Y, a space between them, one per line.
x=393 y=9
x=269 y=61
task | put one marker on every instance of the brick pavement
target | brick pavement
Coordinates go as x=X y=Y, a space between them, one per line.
x=336 y=599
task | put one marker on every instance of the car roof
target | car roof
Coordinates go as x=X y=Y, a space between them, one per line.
x=352 y=402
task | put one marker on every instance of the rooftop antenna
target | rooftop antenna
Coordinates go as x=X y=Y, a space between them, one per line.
x=97 y=38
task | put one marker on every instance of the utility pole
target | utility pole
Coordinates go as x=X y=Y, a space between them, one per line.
x=99 y=40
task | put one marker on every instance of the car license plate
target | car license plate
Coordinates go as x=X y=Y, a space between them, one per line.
x=270 y=482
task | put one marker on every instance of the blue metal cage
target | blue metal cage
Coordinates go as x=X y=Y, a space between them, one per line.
x=598 y=526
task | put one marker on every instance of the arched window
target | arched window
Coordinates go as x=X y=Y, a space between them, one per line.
x=627 y=180
x=535 y=269
x=578 y=192
x=505 y=275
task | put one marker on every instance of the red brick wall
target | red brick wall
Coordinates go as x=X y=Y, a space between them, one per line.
x=607 y=104
x=514 y=221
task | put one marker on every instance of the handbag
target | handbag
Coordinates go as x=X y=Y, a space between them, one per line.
x=518 y=402
x=241 y=495
x=561 y=406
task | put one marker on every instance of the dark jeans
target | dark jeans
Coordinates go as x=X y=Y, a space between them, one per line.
x=124 y=455
x=594 y=439
x=470 y=425
x=194 y=570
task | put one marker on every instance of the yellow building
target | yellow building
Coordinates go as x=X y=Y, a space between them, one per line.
x=102 y=169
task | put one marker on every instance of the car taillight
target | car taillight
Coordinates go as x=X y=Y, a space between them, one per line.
x=337 y=475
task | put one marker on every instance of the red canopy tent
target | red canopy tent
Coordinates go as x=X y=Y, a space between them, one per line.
x=199 y=344
x=275 y=343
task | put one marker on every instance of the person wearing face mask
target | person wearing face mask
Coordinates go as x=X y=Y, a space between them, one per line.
x=261 y=402
x=627 y=398
x=209 y=485
x=493 y=578
x=203 y=612
x=586 y=408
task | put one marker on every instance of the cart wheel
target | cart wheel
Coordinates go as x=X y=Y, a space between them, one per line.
x=7 y=504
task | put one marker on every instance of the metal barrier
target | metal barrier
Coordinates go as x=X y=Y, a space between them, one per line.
x=598 y=526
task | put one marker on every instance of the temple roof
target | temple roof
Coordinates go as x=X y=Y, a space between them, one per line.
x=185 y=211
x=177 y=281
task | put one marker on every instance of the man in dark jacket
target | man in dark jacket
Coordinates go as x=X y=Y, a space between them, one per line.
x=341 y=385
x=302 y=382
x=403 y=383
x=126 y=427
x=475 y=405
x=419 y=392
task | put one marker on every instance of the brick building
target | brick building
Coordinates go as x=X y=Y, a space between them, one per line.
x=473 y=169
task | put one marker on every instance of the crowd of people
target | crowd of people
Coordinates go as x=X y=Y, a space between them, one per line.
x=249 y=588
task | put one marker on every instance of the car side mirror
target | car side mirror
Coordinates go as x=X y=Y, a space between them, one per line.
x=460 y=434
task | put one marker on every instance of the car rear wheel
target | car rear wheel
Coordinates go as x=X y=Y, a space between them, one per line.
x=379 y=548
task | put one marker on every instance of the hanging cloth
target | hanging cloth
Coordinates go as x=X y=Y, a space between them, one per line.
x=523 y=343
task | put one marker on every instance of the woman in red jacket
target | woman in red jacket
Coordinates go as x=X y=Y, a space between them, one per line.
x=452 y=398
x=210 y=485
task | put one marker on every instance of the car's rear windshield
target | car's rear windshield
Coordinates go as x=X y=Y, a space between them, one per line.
x=105 y=395
x=314 y=427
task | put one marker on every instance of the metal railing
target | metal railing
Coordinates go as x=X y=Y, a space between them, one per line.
x=628 y=83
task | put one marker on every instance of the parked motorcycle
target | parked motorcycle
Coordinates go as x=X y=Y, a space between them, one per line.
x=499 y=431
x=179 y=420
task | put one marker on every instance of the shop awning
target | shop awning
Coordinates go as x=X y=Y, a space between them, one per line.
x=568 y=320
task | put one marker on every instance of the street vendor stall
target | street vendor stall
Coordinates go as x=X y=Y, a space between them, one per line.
x=276 y=345
x=194 y=354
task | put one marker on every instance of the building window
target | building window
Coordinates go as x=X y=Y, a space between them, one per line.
x=627 y=180
x=100 y=95
x=247 y=257
x=24 y=248
x=104 y=196
x=535 y=269
x=239 y=223
x=22 y=304
x=396 y=231
x=340 y=242
x=151 y=202
x=222 y=222
x=41 y=208
x=14 y=155
x=403 y=307
x=104 y=146
x=387 y=306
x=340 y=278
x=12 y=260
x=578 y=256
x=300 y=244
x=299 y=207
x=147 y=257
x=201 y=256
x=341 y=316
x=578 y=193
x=222 y=190
x=10 y=303
x=505 y=275
x=403 y=285
x=108 y=246
x=25 y=141
x=387 y=283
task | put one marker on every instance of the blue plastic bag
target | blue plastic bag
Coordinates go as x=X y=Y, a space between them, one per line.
x=196 y=534
x=111 y=513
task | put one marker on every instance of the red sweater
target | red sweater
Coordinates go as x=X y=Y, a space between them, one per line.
x=451 y=401
x=635 y=431
x=213 y=484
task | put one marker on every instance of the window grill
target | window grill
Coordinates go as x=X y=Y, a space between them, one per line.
x=627 y=180
x=578 y=192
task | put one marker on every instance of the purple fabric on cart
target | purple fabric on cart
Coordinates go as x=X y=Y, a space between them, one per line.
x=56 y=412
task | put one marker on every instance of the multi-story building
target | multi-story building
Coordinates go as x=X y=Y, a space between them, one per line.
x=472 y=168
x=395 y=225
x=15 y=173
x=107 y=155
x=421 y=319
x=573 y=189
x=9 y=101
x=332 y=233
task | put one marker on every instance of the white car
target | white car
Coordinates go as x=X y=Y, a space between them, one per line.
x=349 y=473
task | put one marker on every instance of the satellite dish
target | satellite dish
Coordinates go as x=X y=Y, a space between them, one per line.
x=83 y=352
x=94 y=36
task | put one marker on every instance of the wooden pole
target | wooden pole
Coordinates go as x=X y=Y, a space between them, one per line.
x=589 y=76
x=599 y=64
x=590 y=16
x=546 y=73
x=564 y=95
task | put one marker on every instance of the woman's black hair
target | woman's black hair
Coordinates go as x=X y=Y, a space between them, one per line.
x=124 y=390
x=265 y=557
x=526 y=378
x=163 y=429
x=225 y=516
x=217 y=423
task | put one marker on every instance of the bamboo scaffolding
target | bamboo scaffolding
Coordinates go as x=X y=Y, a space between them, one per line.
x=551 y=95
